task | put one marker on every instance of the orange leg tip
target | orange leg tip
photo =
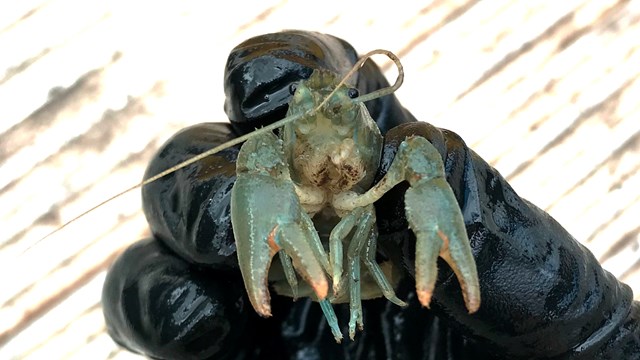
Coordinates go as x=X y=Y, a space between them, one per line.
x=471 y=298
x=264 y=313
x=473 y=305
x=424 y=297
x=321 y=289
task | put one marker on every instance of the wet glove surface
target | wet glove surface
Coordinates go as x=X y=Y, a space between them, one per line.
x=158 y=304
x=543 y=294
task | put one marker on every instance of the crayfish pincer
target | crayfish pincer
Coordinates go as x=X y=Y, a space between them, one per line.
x=264 y=201
x=318 y=173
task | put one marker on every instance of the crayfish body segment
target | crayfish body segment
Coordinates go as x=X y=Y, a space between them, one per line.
x=322 y=167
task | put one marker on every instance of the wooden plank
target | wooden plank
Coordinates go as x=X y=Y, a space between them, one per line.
x=546 y=91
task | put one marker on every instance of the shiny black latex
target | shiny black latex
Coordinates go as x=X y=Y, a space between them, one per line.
x=157 y=304
x=543 y=295
x=189 y=210
x=261 y=70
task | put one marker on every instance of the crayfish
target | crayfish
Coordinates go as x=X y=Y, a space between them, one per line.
x=318 y=173
x=309 y=190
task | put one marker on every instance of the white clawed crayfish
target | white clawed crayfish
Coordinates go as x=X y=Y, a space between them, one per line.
x=308 y=192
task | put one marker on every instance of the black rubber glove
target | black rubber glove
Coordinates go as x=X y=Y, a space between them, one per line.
x=543 y=294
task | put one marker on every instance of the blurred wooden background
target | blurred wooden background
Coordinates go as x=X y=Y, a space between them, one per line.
x=546 y=91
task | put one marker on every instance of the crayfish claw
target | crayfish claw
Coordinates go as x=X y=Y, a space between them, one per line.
x=468 y=281
x=267 y=219
x=255 y=259
x=435 y=218
x=296 y=245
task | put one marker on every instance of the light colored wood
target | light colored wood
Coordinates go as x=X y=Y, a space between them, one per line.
x=546 y=91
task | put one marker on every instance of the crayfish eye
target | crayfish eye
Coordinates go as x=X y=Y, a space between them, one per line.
x=353 y=93
x=292 y=88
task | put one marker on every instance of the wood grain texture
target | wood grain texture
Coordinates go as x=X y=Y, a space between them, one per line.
x=546 y=91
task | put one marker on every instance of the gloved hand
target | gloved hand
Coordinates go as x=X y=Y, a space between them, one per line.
x=180 y=295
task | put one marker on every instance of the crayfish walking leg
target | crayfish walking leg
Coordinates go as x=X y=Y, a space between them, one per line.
x=363 y=242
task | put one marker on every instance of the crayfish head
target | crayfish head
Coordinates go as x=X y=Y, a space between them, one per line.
x=335 y=145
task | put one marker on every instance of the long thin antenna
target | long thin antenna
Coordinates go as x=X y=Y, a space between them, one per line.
x=240 y=139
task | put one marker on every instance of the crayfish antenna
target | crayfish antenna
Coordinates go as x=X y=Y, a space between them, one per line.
x=280 y=123
x=375 y=94
x=171 y=170
x=74 y=219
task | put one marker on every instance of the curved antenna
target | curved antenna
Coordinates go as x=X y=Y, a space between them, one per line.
x=175 y=168
x=370 y=96
x=390 y=89
x=375 y=94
